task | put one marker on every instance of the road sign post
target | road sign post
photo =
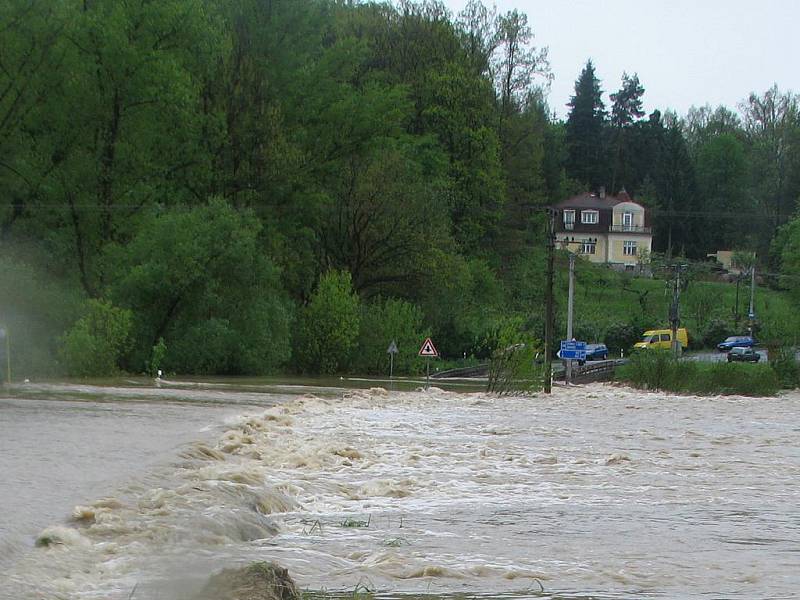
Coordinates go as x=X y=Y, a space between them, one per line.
x=391 y=351
x=428 y=350
x=572 y=350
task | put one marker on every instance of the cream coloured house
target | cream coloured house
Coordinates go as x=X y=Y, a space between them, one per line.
x=604 y=229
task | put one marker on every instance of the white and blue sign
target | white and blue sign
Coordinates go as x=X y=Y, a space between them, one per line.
x=572 y=350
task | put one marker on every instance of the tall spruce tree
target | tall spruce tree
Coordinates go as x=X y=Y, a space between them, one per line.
x=584 y=135
x=627 y=102
x=626 y=110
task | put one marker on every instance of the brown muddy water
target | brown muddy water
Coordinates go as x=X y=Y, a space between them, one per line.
x=139 y=492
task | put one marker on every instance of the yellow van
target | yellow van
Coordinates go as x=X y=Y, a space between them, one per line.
x=662 y=338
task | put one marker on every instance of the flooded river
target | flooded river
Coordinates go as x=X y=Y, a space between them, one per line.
x=593 y=492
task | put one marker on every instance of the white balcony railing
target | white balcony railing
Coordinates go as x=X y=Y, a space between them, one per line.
x=629 y=229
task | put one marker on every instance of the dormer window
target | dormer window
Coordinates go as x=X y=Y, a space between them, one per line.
x=590 y=217
x=569 y=219
x=627 y=221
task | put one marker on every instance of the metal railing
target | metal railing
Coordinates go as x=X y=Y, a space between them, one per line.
x=596 y=370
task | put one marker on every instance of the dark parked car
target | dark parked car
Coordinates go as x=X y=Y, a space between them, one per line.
x=595 y=352
x=739 y=354
x=742 y=341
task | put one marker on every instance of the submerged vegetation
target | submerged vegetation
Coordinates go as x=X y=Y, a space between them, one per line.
x=227 y=188
x=257 y=581
x=517 y=365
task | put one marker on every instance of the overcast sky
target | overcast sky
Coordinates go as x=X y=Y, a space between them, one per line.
x=686 y=52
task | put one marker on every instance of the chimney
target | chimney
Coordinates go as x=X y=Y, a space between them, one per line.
x=602 y=192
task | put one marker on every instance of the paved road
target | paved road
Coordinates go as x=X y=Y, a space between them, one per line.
x=709 y=356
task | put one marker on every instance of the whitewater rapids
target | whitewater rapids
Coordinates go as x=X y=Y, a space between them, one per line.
x=594 y=491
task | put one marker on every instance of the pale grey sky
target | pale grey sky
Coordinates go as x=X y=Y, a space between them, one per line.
x=686 y=52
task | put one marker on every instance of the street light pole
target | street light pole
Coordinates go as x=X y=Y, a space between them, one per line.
x=751 y=315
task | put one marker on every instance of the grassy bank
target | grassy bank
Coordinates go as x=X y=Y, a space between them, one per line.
x=611 y=307
x=658 y=370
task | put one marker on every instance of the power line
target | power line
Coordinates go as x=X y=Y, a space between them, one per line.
x=697 y=214
x=744 y=216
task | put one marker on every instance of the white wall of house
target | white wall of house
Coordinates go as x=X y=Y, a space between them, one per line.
x=635 y=212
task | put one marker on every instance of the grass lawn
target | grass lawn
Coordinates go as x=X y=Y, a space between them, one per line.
x=604 y=297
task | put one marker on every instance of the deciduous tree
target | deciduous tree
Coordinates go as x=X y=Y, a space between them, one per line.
x=328 y=327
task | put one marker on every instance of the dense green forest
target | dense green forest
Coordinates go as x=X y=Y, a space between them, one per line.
x=215 y=187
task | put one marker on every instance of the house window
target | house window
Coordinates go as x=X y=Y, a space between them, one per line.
x=589 y=217
x=627 y=221
x=569 y=219
x=629 y=248
x=589 y=246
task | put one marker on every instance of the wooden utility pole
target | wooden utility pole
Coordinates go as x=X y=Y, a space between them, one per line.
x=548 y=311
x=674 y=315
x=5 y=338
x=570 y=299
x=675 y=311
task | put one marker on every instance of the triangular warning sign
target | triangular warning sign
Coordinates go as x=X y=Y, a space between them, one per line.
x=428 y=349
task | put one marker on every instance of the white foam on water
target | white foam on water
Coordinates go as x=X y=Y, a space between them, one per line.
x=593 y=489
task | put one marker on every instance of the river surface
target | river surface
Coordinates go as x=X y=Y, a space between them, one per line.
x=140 y=492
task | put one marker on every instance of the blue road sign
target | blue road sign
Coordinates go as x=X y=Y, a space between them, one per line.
x=572 y=350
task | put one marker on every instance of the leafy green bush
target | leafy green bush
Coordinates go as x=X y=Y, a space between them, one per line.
x=648 y=369
x=659 y=370
x=328 y=327
x=783 y=362
x=777 y=321
x=715 y=331
x=95 y=344
x=516 y=366
x=622 y=336
x=156 y=358
x=381 y=322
